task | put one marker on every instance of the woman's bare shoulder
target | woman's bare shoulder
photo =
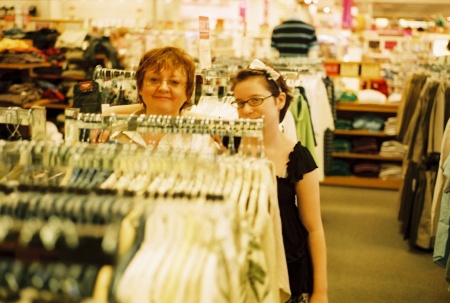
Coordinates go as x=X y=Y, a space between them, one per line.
x=123 y=109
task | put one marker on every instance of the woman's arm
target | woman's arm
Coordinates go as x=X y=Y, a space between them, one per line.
x=308 y=194
x=101 y=136
x=122 y=109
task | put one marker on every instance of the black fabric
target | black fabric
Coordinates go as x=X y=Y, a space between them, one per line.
x=102 y=45
x=329 y=134
x=407 y=195
x=295 y=235
x=43 y=38
x=89 y=101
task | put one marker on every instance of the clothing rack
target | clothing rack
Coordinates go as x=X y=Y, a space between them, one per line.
x=110 y=73
x=137 y=184
x=76 y=121
x=34 y=117
x=299 y=65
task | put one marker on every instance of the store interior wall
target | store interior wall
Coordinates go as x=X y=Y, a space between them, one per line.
x=182 y=14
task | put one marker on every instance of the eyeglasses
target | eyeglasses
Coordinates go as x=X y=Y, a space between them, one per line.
x=156 y=82
x=255 y=101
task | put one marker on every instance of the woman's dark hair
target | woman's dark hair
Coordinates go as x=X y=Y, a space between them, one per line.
x=275 y=87
x=171 y=58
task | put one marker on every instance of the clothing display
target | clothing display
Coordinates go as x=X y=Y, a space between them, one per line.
x=440 y=207
x=222 y=240
x=421 y=130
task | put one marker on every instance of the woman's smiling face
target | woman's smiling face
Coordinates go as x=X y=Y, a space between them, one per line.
x=164 y=92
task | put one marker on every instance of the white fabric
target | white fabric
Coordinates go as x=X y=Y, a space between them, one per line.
x=287 y=126
x=52 y=134
x=394 y=98
x=321 y=114
x=259 y=65
x=210 y=106
x=371 y=96
x=71 y=39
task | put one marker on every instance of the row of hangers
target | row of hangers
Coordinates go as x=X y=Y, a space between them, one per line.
x=53 y=219
x=104 y=73
x=52 y=281
x=14 y=117
x=77 y=121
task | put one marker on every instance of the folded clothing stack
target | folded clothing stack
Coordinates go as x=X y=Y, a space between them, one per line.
x=365 y=145
x=339 y=168
x=392 y=148
x=342 y=146
x=366 y=169
x=390 y=171
x=390 y=126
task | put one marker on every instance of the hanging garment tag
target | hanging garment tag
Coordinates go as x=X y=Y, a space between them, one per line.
x=86 y=86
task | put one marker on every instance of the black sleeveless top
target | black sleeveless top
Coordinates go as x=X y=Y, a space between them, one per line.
x=295 y=235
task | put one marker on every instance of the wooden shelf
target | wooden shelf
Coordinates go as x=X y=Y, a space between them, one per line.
x=362 y=107
x=57 y=77
x=47 y=103
x=366 y=157
x=354 y=181
x=363 y=70
x=24 y=65
x=361 y=132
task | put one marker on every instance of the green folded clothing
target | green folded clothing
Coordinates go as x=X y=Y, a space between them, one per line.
x=343 y=124
x=339 y=168
x=342 y=145
x=348 y=97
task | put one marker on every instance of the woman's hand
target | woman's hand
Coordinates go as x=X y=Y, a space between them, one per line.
x=99 y=135
x=318 y=298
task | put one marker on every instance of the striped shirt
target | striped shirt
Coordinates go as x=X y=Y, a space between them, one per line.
x=293 y=38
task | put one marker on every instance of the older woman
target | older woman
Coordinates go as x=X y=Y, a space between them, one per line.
x=165 y=83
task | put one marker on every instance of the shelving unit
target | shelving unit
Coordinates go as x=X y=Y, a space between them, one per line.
x=353 y=181
x=53 y=107
x=349 y=110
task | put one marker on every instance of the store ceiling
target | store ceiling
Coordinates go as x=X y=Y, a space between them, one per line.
x=423 y=10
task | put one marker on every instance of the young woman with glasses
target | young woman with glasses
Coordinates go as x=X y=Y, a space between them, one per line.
x=260 y=91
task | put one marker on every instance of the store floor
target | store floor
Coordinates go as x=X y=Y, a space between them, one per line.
x=368 y=260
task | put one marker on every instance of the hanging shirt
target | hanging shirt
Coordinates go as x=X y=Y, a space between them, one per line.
x=303 y=124
x=293 y=38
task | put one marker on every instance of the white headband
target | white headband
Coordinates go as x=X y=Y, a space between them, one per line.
x=258 y=64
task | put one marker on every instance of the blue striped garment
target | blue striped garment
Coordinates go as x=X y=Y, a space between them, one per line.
x=293 y=38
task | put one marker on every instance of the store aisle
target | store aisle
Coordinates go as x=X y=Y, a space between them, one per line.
x=368 y=260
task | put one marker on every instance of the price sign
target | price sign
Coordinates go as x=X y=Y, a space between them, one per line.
x=204 y=43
